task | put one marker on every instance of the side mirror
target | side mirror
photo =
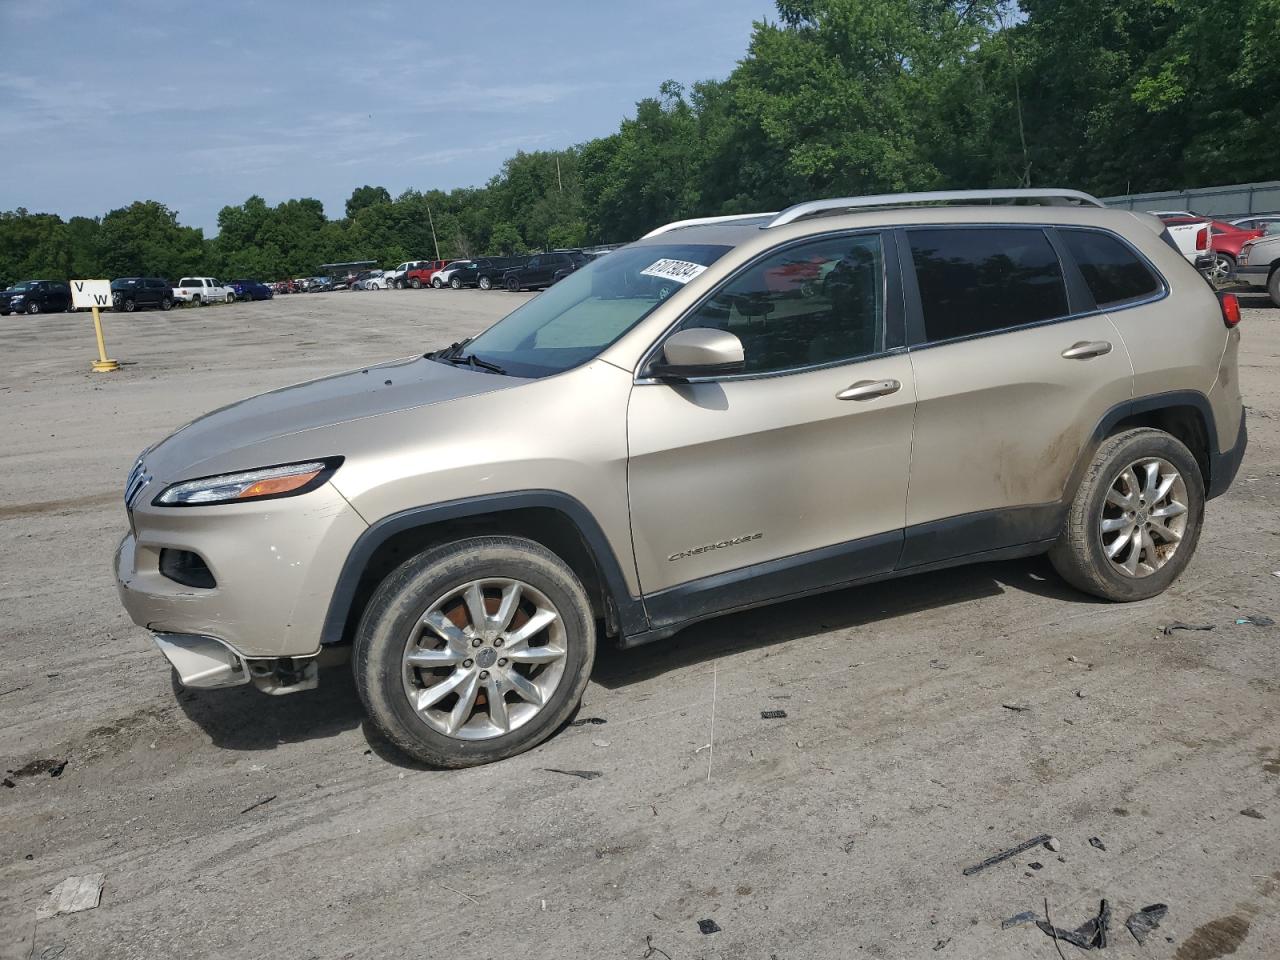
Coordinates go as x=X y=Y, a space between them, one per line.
x=700 y=352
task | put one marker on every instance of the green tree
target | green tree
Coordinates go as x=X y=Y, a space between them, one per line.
x=366 y=196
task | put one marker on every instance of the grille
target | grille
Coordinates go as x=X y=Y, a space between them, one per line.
x=138 y=479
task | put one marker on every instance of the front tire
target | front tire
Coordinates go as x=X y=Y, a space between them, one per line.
x=485 y=283
x=33 y=308
x=455 y=283
x=437 y=282
x=513 y=284
x=415 y=283
x=166 y=303
x=1135 y=520
x=1273 y=287
x=474 y=651
x=130 y=306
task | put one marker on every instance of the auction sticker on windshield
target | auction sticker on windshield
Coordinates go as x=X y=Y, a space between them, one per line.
x=681 y=271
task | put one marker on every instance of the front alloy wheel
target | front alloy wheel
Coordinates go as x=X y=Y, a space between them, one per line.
x=474 y=651
x=484 y=659
x=1221 y=269
x=1144 y=517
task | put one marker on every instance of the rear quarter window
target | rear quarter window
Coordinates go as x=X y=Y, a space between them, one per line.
x=982 y=280
x=1113 y=272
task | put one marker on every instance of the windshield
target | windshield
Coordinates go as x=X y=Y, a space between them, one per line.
x=589 y=309
x=25 y=285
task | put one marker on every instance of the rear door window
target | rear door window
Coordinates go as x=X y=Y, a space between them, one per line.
x=1113 y=272
x=978 y=280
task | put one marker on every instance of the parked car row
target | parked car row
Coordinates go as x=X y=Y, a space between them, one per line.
x=132 y=293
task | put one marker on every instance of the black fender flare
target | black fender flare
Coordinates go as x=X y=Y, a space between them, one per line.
x=630 y=609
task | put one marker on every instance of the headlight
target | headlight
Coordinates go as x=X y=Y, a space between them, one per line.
x=287 y=480
x=17 y=298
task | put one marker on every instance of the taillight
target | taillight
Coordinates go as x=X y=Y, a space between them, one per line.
x=1202 y=239
x=1230 y=304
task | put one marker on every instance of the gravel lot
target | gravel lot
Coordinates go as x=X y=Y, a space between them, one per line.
x=836 y=832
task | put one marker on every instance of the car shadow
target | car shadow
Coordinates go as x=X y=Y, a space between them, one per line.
x=242 y=718
x=837 y=610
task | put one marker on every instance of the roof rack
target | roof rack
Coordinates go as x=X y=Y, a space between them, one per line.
x=699 y=221
x=815 y=208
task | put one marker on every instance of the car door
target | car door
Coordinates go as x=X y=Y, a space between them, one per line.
x=791 y=475
x=1014 y=367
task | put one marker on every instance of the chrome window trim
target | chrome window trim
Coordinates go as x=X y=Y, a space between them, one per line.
x=649 y=354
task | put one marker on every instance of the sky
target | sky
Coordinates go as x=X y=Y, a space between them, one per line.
x=202 y=104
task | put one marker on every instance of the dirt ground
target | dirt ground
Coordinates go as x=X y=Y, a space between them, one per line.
x=840 y=831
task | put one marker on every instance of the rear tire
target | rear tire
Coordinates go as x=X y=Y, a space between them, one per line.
x=1153 y=533
x=437 y=282
x=455 y=283
x=415 y=283
x=551 y=665
x=196 y=301
x=1223 y=268
x=166 y=303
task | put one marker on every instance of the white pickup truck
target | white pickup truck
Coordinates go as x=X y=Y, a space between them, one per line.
x=1192 y=239
x=202 y=290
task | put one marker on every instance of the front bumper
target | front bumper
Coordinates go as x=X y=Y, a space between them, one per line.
x=275 y=563
x=1255 y=275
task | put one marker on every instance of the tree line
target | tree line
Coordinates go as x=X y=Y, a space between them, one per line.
x=833 y=97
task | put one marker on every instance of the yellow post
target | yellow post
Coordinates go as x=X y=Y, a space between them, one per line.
x=102 y=364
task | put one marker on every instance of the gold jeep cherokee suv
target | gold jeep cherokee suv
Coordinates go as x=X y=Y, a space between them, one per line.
x=728 y=412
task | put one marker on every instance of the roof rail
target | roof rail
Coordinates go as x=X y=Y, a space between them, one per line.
x=699 y=221
x=841 y=204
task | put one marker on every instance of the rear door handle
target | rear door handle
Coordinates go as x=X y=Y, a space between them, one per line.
x=869 y=389
x=1087 y=349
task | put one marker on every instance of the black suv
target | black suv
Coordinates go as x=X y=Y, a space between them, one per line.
x=544 y=269
x=134 y=293
x=35 y=296
x=484 y=272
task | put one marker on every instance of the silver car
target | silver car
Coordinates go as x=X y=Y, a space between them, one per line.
x=726 y=413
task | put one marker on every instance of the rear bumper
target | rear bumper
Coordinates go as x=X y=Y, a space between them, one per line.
x=1225 y=465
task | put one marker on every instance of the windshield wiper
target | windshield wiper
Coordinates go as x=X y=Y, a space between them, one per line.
x=471 y=360
x=447 y=352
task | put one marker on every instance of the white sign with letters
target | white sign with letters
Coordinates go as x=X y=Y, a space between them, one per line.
x=90 y=293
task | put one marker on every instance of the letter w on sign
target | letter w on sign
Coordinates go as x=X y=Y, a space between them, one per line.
x=90 y=293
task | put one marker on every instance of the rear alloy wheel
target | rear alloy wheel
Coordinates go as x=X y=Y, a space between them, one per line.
x=1135 y=520
x=196 y=301
x=415 y=283
x=437 y=282
x=475 y=651
x=166 y=303
x=231 y=298
x=1222 y=269
x=485 y=283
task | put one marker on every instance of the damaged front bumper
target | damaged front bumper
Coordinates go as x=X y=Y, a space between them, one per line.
x=207 y=663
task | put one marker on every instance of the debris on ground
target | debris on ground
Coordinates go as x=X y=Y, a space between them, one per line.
x=1095 y=842
x=49 y=765
x=1257 y=619
x=8 y=783
x=583 y=721
x=1179 y=625
x=1053 y=844
x=1072 y=659
x=1090 y=935
x=940 y=944
x=773 y=714
x=1145 y=920
x=1081 y=694
x=73 y=895
x=1251 y=812
x=584 y=774
x=1016 y=707
x=261 y=803
x=1018 y=919
x=650 y=949
x=600 y=743
x=1036 y=866
x=708 y=926
x=1005 y=855
x=939 y=665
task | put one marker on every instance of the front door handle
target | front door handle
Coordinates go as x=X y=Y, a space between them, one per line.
x=869 y=389
x=1086 y=350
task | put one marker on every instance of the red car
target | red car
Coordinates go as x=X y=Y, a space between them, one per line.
x=1225 y=241
x=421 y=275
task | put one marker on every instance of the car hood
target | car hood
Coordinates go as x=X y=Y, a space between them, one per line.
x=239 y=436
